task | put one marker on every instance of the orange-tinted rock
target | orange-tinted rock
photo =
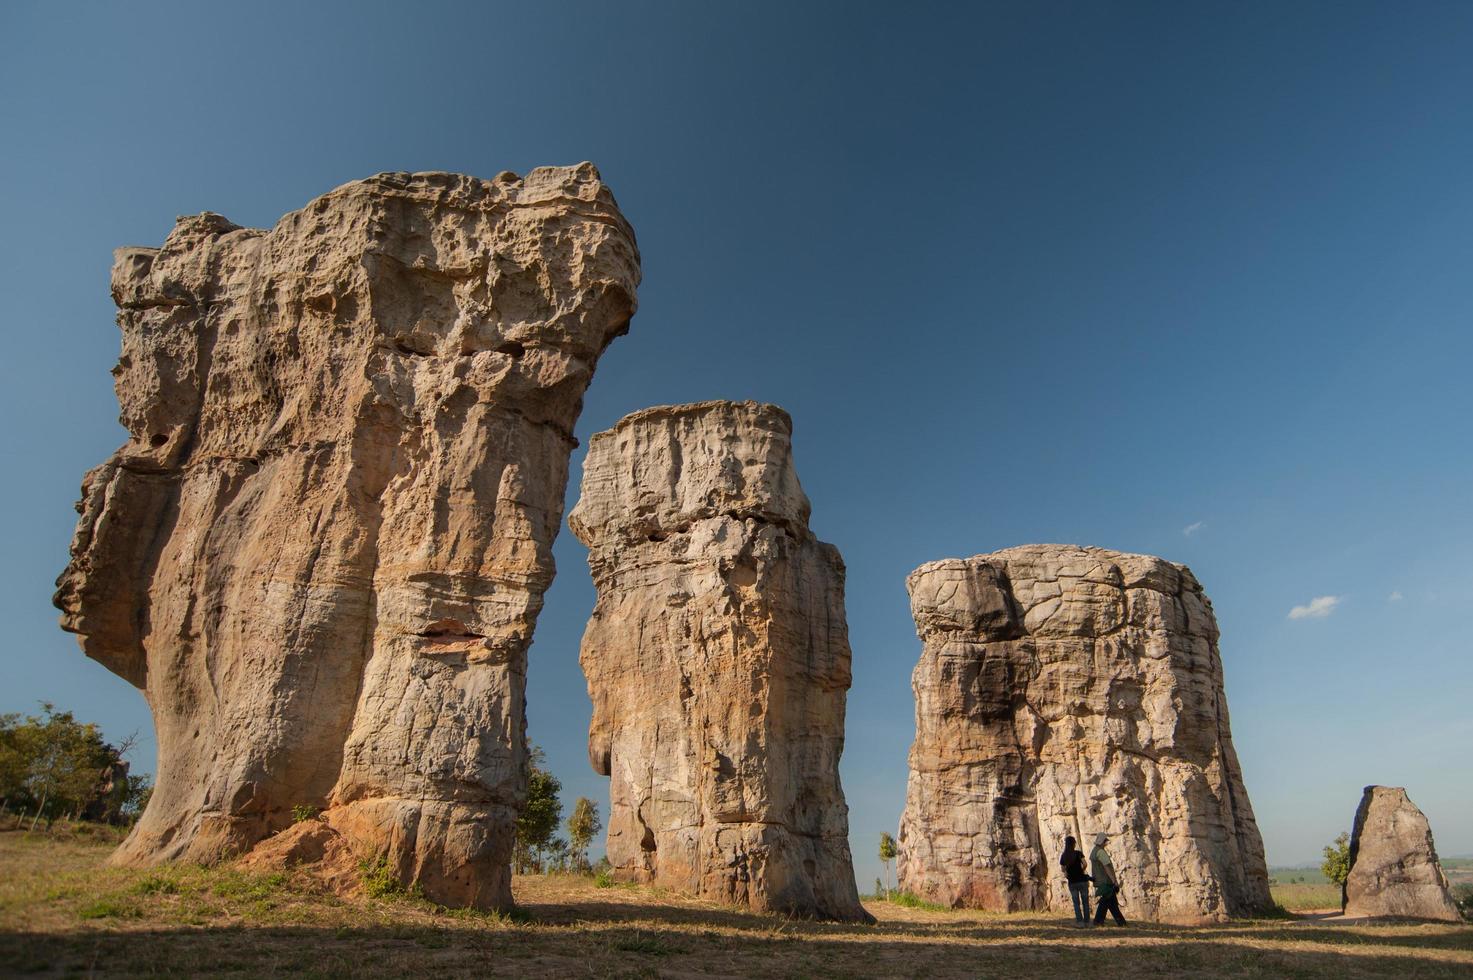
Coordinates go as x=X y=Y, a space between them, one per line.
x=717 y=660
x=322 y=551
x=1064 y=691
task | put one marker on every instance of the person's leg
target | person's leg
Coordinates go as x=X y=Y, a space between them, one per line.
x=1084 y=898
x=1101 y=904
x=1115 y=910
x=1075 y=896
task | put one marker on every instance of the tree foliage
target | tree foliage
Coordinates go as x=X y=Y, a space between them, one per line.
x=1337 y=860
x=583 y=826
x=887 y=851
x=52 y=765
x=541 y=814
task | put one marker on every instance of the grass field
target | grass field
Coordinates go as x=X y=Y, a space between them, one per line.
x=1303 y=889
x=1293 y=876
x=62 y=913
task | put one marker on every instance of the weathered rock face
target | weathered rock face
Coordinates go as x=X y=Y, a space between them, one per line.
x=717 y=660
x=1394 y=869
x=1065 y=691
x=322 y=551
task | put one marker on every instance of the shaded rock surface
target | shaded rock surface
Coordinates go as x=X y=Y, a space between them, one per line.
x=1394 y=869
x=324 y=546
x=717 y=660
x=1065 y=691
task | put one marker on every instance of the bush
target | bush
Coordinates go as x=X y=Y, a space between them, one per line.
x=1337 y=860
x=301 y=814
x=1463 y=896
x=378 y=879
x=603 y=874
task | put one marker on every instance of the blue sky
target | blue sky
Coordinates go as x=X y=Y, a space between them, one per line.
x=1183 y=279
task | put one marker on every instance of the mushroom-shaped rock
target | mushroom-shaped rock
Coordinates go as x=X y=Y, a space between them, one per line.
x=717 y=660
x=322 y=550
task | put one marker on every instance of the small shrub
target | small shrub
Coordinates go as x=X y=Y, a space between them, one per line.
x=1463 y=896
x=603 y=874
x=1337 y=860
x=301 y=814
x=382 y=881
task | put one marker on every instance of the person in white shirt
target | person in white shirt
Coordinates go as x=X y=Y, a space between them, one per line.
x=1107 y=883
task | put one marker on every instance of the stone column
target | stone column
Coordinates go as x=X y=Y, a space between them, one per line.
x=322 y=550
x=717 y=660
x=1064 y=691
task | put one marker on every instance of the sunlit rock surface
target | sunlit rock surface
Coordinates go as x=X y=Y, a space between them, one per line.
x=717 y=660
x=324 y=546
x=1394 y=869
x=1065 y=691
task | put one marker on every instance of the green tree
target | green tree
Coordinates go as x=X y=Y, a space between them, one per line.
x=1337 y=860
x=62 y=762
x=13 y=761
x=140 y=791
x=887 y=852
x=541 y=814
x=583 y=826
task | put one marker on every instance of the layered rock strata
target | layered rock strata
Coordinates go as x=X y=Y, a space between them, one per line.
x=1066 y=691
x=322 y=550
x=1394 y=869
x=717 y=660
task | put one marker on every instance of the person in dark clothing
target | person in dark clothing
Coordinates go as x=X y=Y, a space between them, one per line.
x=1107 y=884
x=1072 y=861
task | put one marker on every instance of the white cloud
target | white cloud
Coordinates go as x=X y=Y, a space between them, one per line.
x=1319 y=607
x=1395 y=596
x=1193 y=528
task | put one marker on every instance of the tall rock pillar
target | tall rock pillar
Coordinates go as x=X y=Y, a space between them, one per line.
x=1064 y=691
x=717 y=659
x=322 y=550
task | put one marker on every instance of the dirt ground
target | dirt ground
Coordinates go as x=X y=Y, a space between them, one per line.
x=62 y=913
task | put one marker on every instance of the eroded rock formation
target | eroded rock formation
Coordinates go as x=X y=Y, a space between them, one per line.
x=1064 y=691
x=324 y=546
x=717 y=660
x=1394 y=869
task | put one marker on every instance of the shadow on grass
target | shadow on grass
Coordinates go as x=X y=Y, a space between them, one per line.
x=642 y=949
x=1373 y=932
x=634 y=940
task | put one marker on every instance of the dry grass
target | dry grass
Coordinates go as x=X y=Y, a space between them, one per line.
x=63 y=914
x=1306 y=897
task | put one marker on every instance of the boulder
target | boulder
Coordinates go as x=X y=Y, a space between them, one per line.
x=1063 y=691
x=323 y=548
x=717 y=660
x=1394 y=869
